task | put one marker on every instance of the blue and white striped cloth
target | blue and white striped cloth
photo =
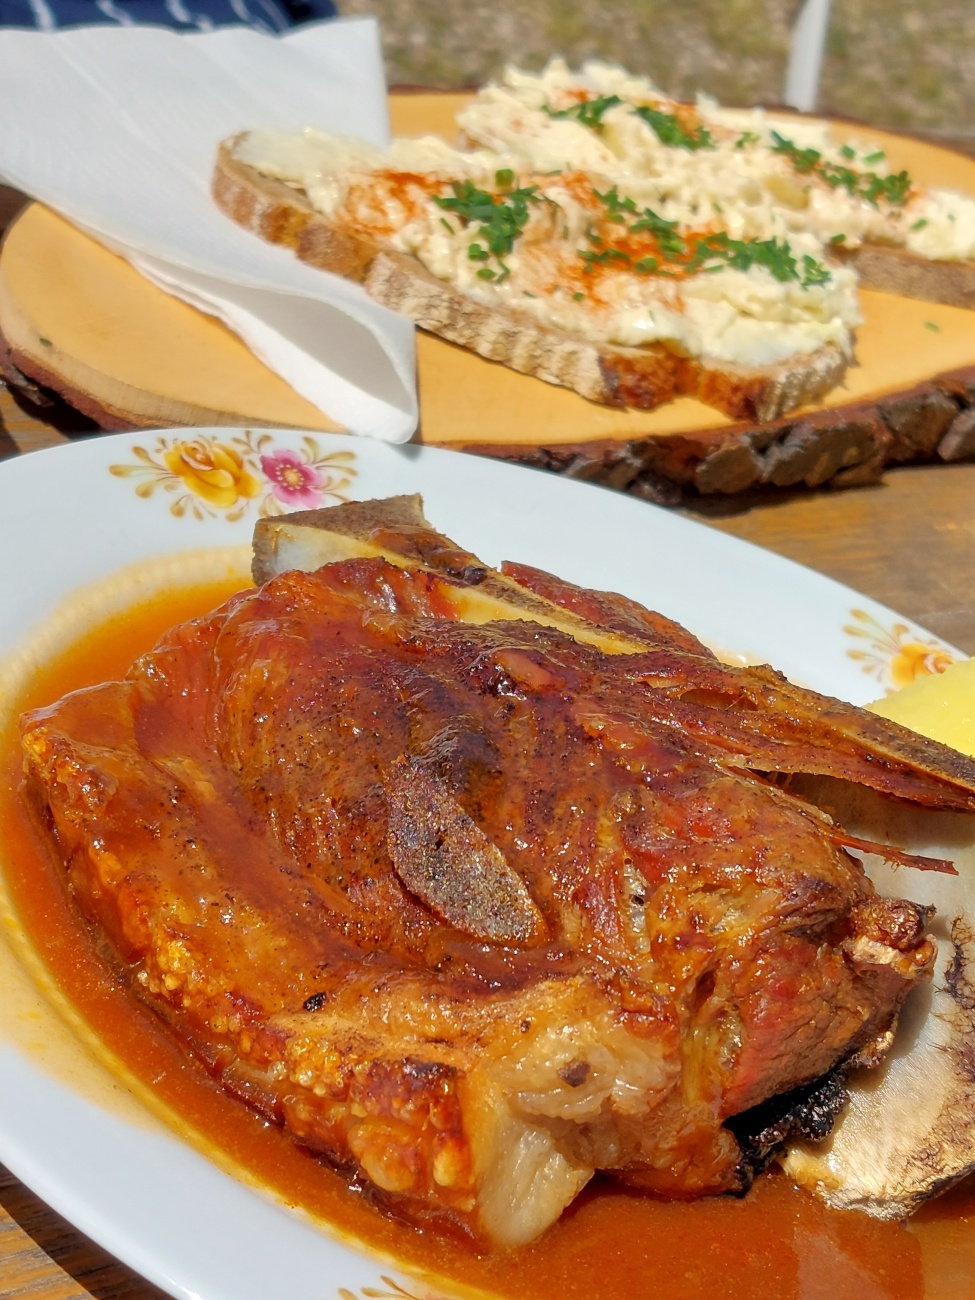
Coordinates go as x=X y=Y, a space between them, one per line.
x=185 y=15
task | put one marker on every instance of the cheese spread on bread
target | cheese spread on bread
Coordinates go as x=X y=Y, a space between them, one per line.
x=600 y=261
x=760 y=175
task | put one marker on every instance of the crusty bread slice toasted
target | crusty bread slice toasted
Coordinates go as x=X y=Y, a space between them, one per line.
x=640 y=377
x=909 y=275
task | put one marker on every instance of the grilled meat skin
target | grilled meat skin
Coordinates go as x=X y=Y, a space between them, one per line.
x=474 y=910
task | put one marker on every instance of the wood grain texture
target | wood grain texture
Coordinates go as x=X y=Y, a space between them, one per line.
x=28 y=425
x=7 y=445
x=43 y=1258
x=908 y=542
x=845 y=447
x=77 y=321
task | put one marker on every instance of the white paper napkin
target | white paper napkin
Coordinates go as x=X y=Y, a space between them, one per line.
x=117 y=128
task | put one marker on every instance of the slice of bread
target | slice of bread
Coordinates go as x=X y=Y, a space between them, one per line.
x=909 y=275
x=640 y=377
x=536 y=115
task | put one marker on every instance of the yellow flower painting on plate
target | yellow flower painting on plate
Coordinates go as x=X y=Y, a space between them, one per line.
x=894 y=655
x=389 y=1290
x=211 y=476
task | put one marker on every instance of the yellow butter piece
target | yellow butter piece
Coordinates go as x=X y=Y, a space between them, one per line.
x=940 y=706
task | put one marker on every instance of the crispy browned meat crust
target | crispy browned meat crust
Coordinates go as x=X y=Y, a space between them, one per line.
x=475 y=910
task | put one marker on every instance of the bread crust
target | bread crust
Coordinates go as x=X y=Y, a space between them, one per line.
x=909 y=275
x=642 y=378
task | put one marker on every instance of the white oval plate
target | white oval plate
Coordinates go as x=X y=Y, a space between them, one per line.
x=75 y=514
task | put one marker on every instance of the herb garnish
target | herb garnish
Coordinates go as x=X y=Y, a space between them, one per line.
x=670 y=132
x=775 y=256
x=894 y=189
x=605 y=257
x=619 y=209
x=588 y=111
x=803 y=160
x=696 y=253
x=501 y=218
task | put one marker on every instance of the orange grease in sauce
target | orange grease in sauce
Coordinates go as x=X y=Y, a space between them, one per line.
x=778 y=1243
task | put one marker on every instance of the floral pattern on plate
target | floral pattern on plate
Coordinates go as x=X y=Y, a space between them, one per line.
x=390 y=1290
x=895 y=655
x=209 y=475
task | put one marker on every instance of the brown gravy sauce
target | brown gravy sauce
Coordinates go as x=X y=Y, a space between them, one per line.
x=778 y=1242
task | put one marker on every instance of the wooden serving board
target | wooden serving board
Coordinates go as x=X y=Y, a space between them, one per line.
x=79 y=321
